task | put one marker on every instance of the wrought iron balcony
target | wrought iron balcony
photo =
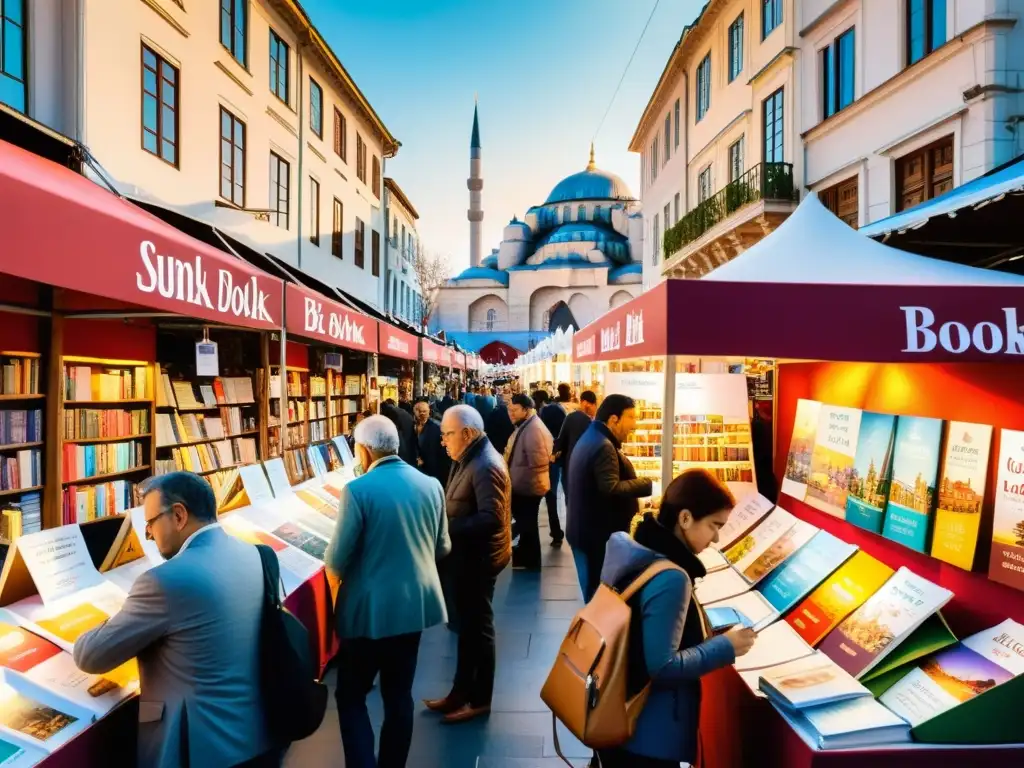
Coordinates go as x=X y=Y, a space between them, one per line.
x=765 y=181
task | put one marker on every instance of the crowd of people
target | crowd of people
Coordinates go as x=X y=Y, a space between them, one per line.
x=447 y=496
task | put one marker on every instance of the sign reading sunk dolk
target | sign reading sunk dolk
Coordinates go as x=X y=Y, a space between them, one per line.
x=313 y=315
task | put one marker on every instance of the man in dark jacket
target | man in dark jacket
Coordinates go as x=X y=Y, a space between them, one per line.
x=478 y=501
x=603 y=488
x=499 y=426
x=575 y=424
x=553 y=415
x=406 y=431
x=433 y=458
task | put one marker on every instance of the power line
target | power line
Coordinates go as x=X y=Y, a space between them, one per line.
x=628 y=63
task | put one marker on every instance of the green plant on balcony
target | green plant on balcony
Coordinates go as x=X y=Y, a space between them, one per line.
x=765 y=181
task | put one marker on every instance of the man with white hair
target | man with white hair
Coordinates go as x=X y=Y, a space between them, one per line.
x=390 y=531
x=478 y=498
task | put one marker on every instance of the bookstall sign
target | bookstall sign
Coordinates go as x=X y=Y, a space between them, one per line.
x=207 y=359
x=446 y=356
x=312 y=315
x=431 y=352
x=396 y=343
x=108 y=247
x=59 y=562
x=460 y=360
x=636 y=329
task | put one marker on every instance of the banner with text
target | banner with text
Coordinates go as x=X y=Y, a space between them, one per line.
x=396 y=343
x=314 y=316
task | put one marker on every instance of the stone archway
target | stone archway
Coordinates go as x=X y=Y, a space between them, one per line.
x=488 y=313
x=619 y=298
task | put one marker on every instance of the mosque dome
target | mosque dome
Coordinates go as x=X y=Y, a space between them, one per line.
x=482 y=273
x=590 y=184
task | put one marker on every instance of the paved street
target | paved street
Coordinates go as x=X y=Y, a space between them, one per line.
x=532 y=612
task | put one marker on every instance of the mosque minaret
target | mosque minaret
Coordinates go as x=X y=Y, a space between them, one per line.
x=475 y=182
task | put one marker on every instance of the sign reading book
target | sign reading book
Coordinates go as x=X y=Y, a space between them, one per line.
x=1006 y=564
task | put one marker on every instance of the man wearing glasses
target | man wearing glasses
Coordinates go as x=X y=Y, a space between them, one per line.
x=193 y=624
x=478 y=501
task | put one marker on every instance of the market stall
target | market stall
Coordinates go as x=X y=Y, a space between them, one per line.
x=396 y=366
x=921 y=342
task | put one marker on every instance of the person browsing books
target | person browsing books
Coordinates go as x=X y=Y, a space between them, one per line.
x=193 y=624
x=390 y=532
x=670 y=640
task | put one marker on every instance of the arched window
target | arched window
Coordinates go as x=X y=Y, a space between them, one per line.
x=598 y=213
x=581 y=214
x=566 y=214
x=492 y=315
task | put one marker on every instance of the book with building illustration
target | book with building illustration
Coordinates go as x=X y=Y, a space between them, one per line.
x=796 y=577
x=867 y=635
x=871 y=472
x=810 y=682
x=961 y=493
x=801 y=447
x=835 y=445
x=745 y=551
x=915 y=467
x=1006 y=561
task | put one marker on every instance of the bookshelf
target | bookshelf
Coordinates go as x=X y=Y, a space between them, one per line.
x=22 y=435
x=106 y=447
x=207 y=425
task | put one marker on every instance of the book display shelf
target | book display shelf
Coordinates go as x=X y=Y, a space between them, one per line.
x=22 y=404
x=106 y=439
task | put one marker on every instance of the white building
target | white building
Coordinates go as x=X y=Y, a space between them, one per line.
x=403 y=248
x=235 y=113
x=905 y=100
x=568 y=261
x=722 y=158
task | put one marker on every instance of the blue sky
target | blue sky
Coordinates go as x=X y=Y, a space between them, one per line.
x=544 y=71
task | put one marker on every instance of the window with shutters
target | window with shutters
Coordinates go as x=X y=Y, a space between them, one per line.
x=668 y=137
x=736 y=159
x=773 y=128
x=314 y=211
x=159 y=100
x=736 y=48
x=676 y=111
x=280 y=181
x=279 y=79
x=924 y=174
x=704 y=185
x=703 y=94
x=376 y=177
x=360 y=159
x=375 y=253
x=340 y=136
x=316 y=108
x=360 y=238
x=232 y=158
x=234 y=28
x=843 y=200
x=337 y=228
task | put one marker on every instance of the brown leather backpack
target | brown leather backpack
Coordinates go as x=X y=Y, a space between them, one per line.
x=586 y=688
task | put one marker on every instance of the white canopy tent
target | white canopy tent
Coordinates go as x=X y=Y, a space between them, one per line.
x=813 y=246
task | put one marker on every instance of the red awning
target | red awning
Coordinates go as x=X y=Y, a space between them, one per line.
x=460 y=360
x=498 y=353
x=396 y=343
x=314 y=316
x=61 y=229
x=446 y=357
x=855 y=323
x=430 y=351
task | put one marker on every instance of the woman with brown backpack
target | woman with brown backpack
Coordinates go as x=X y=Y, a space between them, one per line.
x=671 y=645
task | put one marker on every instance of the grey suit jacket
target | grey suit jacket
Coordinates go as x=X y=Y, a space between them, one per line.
x=193 y=623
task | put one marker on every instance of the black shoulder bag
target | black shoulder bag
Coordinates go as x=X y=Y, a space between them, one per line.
x=294 y=702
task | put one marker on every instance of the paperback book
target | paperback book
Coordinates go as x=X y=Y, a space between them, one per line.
x=835 y=444
x=859 y=722
x=776 y=644
x=1006 y=564
x=747 y=513
x=957 y=674
x=39 y=719
x=744 y=552
x=837 y=597
x=915 y=466
x=712 y=560
x=788 y=584
x=781 y=550
x=812 y=681
x=871 y=473
x=889 y=616
x=801 y=447
x=720 y=586
x=961 y=493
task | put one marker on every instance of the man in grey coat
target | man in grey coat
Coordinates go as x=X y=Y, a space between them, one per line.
x=529 y=456
x=391 y=530
x=193 y=623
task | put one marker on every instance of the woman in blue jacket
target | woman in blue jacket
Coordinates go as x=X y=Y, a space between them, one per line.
x=670 y=643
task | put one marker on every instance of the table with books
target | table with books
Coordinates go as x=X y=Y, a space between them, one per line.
x=60 y=582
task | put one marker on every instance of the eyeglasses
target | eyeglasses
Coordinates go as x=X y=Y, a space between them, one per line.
x=150 y=521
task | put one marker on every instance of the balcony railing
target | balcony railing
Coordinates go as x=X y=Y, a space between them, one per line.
x=765 y=181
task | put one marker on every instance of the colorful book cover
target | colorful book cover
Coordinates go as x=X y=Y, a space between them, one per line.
x=864 y=637
x=794 y=579
x=801 y=446
x=32 y=718
x=837 y=597
x=750 y=547
x=21 y=650
x=747 y=513
x=1006 y=564
x=961 y=493
x=783 y=548
x=835 y=445
x=855 y=722
x=915 y=466
x=1003 y=644
x=941 y=681
x=871 y=473
x=8 y=752
x=811 y=681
